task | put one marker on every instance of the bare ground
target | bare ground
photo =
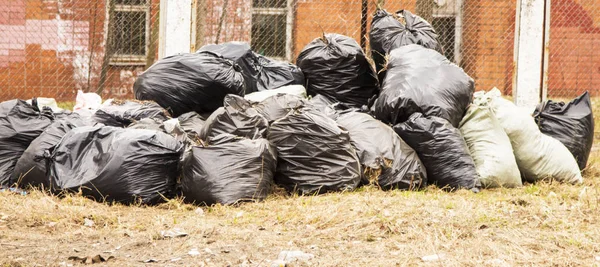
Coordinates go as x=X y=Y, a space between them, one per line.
x=546 y=224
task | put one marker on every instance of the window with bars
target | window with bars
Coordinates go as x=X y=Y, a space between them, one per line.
x=128 y=31
x=271 y=28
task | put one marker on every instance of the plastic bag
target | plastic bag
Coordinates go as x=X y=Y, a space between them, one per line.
x=119 y=113
x=191 y=123
x=278 y=106
x=20 y=124
x=392 y=30
x=336 y=67
x=538 y=156
x=86 y=104
x=116 y=165
x=314 y=154
x=386 y=159
x=42 y=102
x=31 y=168
x=443 y=151
x=260 y=73
x=297 y=90
x=190 y=82
x=230 y=170
x=490 y=147
x=422 y=80
x=572 y=124
x=238 y=118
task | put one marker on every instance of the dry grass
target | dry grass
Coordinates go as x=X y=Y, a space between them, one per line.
x=537 y=225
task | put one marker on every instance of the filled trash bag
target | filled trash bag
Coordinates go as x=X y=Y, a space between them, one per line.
x=539 y=156
x=314 y=154
x=190 y=82
x=392 y=30
x=276 y=74
x=260 y=73
x=336 y=67
x=572 y=124
x=118 y=113
x=443 y=151
x=278 y=106
x=297 y=90
x=31 y=167
x=20 y=124
x=386 y=159
x=230 y=170
x=238 y=117
x=116 y=165
x=191 y=123
x=422 y=80
x=490 y=146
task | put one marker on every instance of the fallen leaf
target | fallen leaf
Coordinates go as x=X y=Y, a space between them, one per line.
x=87 y=222
x=483 y=226
x=91 y=259
x=261 y=228
x=434 y=257
x=194 y=252
x=199 y=211
x=289 y=256
x=173 y=233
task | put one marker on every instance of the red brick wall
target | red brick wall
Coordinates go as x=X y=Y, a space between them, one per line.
x=47 y=46
x=54 y=48
x=574 y=48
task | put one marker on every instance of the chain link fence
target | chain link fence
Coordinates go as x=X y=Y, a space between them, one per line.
x=56 y=47
x=53 y=48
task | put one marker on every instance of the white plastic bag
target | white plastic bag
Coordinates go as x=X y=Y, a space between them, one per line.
x=87 y=103
x=489 y=146
x=46 y=102
x=538 y=156
x=298 y=90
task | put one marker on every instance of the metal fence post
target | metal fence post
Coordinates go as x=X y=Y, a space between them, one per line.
x=529 y=55
x=175 y=35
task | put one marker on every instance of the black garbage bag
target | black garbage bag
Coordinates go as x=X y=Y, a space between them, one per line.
x=276 y=74
x=238 y=118
x=278 y=106
x=336 y=67
x=442 y=149
x=570 y=123
x=422 y=80
x=314 y=154
x=392 y=30
x=116 y=165
x=230 y=170
x=191 y=123
x=20 y=124
x=31 y=167
x=386 y=159
x=260 y=73
x=121 y=113
x=190 y=82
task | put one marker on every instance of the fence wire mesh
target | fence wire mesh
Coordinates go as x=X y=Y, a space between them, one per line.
x=56 y=47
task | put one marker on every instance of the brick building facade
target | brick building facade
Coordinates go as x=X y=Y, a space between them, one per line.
x=55 y=47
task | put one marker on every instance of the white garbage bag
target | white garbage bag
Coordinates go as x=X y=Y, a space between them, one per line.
x=539 y=157
x=87 y=103
x=489 y=146
x=46 y=102
x=297 y=90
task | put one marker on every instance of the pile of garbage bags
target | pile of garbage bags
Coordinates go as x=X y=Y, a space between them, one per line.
x=226 y=125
